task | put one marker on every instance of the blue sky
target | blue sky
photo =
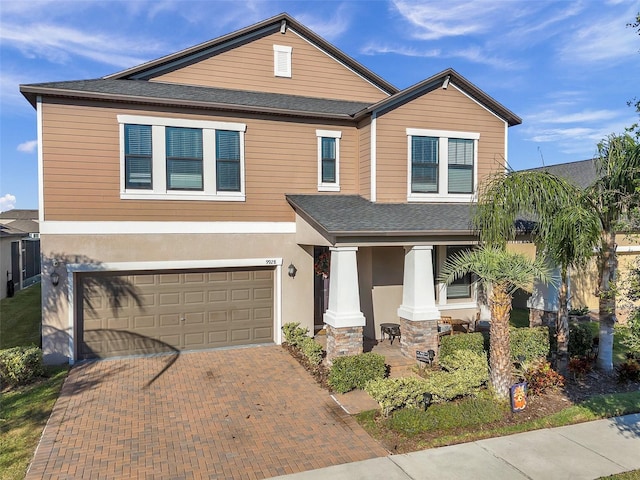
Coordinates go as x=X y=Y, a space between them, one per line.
x=566 y=68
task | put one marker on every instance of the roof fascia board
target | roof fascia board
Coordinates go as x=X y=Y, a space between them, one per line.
x=170 y=65
x=29 y=91
x=460 y=83
x=138 y=69
x=344 y=64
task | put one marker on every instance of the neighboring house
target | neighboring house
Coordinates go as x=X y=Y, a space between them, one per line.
x=186 y=202
x=583 y=283
x=19 y=250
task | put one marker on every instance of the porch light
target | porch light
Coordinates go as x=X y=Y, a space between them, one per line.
x=55 y=278
x=292 y=270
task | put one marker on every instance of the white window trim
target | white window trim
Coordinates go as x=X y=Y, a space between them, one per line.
x=277 y=51
x=325 y=186
x=443 y=164
x=159 y=162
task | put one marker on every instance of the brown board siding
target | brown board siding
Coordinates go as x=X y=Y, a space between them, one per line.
x=250 y=67
x=82 y=167
x=438 y=110
x=364 y=170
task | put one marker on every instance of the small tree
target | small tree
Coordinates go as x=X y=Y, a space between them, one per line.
x=502 y=273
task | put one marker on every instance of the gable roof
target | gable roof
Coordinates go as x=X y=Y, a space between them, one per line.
x=132 y=85
x=581 y=173
x=354 y=216
x=141 y=91
x=19 y=214
x=443 y=80
x=266 y=27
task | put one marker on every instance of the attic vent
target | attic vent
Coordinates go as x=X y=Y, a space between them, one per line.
x=282 y=61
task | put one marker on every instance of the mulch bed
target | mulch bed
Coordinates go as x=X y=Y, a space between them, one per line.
x=574 y=391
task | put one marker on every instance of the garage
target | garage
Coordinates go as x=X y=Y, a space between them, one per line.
x=156 y=312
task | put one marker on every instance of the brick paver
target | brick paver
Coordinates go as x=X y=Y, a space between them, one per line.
x=241 y=413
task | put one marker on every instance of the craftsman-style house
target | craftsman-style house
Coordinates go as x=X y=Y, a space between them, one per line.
x=208 y=197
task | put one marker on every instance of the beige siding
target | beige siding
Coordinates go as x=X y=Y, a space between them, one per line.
x=364 y=158
x=250 y=67
x=82 y=167
x=440 y=110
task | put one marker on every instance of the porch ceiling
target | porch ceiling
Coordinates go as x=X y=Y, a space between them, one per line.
x=354 y=219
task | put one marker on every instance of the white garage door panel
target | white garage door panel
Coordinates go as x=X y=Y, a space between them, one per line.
x=150 y=313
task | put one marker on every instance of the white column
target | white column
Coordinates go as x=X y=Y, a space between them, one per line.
x=344 y=294
x=418 y=293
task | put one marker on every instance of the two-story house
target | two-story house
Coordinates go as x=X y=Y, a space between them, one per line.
x=188 y=203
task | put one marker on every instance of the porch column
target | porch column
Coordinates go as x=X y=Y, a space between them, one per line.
x=418 y=313
x=343 y=318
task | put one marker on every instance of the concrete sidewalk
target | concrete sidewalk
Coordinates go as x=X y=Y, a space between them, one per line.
x=584 y=451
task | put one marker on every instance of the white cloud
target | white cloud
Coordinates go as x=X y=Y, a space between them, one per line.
x=433 y=22
x=375 y=49
x=58 y=44
x=7 y=202
x=28 y=147
x=551 y=116
x=329 y=28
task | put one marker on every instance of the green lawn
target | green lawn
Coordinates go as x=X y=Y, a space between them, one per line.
x=24 y=412
x=21 y=318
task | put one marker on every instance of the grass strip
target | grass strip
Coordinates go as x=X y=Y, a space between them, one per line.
x=21 y=318
x=23 y=415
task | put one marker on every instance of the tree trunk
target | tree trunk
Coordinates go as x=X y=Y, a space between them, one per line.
x=499 y=349
x=562 y=327
x=607 y=301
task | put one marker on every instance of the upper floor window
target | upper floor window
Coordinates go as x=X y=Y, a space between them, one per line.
x=137 y=146
x=328 y=160
x=442 y=165
x=178 y=159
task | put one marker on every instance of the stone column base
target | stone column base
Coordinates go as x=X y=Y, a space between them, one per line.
x=343 y=341
x=539 y=318
x=418 y=335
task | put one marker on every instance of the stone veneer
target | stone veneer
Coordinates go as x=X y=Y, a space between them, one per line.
x=419 y=335
x=343 y=341
x=538 y=318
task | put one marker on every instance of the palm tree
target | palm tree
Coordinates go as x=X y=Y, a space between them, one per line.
x=565 y=232
x=612 y=197
x=501 y=273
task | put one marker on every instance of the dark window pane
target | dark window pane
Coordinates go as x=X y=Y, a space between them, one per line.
x=460 y=165
x=137 y=159
x=184 y=158
x=424 y=164
x=228 y=161
x=461 y=287
x=328 y=160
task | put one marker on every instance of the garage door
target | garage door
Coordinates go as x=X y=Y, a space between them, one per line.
x=163 y=312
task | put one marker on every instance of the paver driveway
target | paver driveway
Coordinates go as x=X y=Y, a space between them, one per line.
x=241 y=413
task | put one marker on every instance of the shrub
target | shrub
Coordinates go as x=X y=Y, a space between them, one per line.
x=580 y=366
x=294 y=335
x=584 y=310
x=468 y=413
x=20 y=365
x=466 y=372
x=312 y=350
x=354 y=371
x=580 y=340
x=452 y=343
x=531 y=343
x=394 y=393
x=541 y=377
x=629 y=371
